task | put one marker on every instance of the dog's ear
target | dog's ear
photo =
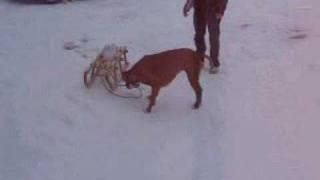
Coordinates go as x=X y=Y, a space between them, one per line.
x=129 y=77
x=133 y=78
x=124 y=75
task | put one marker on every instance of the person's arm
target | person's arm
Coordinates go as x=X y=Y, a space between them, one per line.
x=187 y=7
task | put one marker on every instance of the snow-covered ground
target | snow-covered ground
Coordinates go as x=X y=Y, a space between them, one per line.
x=259 y=119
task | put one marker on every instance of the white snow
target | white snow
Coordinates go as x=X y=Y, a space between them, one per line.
x=259 y=119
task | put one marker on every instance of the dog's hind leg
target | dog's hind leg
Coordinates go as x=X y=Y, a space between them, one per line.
x=193 y=77
x=152 y=98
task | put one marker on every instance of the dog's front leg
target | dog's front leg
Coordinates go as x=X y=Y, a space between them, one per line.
x=152 y=98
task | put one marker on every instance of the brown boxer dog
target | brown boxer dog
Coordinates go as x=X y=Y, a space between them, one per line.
x=158 y=70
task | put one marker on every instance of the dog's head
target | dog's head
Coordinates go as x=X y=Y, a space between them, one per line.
x=130 y=79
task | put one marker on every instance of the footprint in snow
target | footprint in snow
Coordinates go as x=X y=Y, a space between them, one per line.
x=298 y=36
x=297 y=33
x=245 y=26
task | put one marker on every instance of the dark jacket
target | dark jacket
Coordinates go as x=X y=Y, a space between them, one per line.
x=216 y=6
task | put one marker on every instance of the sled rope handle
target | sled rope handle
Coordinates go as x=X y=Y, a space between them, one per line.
x=119 y=95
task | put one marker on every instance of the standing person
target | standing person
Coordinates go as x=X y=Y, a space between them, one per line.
x=207 y=13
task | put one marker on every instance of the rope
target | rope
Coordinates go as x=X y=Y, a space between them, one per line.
x=120 y=95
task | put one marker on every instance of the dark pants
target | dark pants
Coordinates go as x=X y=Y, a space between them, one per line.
x=205 y=16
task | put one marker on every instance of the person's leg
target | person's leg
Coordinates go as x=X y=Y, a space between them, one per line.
x=214 y=37
x=199 y=22
x=214 y=34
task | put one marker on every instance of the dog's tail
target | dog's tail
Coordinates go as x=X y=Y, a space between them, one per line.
x=203 y=56
x=206 y=57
